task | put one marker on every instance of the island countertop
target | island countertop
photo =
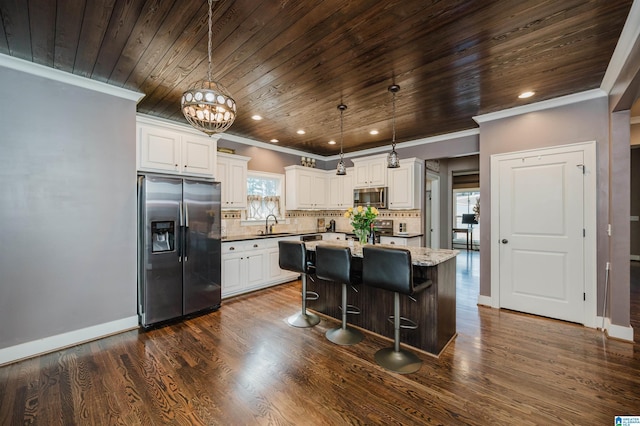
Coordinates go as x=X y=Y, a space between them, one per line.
x=420 y=256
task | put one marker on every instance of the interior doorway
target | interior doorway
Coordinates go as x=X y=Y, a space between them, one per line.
x=432 y=210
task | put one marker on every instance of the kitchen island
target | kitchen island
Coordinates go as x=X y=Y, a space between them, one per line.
x=434 y=309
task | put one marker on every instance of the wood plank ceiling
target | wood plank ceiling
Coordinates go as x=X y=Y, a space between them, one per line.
x=293 y=62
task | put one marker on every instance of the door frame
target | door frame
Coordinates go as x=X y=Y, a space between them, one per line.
x=590 y=225
x=435 y=237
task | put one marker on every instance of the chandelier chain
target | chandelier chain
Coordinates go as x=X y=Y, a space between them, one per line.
x=210 y=36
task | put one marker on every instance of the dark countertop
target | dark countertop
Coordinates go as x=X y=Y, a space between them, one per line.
x=234 y=238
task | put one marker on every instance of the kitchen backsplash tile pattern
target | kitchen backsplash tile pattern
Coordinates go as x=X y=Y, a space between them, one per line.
x=306 y=221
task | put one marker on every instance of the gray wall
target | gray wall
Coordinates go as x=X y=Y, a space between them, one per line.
x=265 y=160
x=67 y=208
x=581 y=122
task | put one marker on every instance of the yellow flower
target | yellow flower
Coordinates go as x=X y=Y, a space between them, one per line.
x=350 y=209
x=374 y=210
x=359 y=209
x=347 y=214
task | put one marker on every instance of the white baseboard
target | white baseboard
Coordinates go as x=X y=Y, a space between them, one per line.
x=484 y=300
x=64 y=340
x=616 y=331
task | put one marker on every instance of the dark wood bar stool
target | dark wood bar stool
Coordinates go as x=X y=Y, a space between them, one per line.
x=334 y=264
x=391 y=269
x=292 y=256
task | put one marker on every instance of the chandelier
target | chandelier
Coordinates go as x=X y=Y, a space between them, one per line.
x=341 y=170
x=393 y=162
x=209 y=108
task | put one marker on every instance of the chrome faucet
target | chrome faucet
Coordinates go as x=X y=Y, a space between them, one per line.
x=268 y=230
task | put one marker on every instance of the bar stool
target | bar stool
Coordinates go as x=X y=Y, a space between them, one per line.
x=334 y=264
x=292 y=256
x=391 y=269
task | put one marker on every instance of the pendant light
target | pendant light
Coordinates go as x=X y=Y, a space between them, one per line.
x=393 y=162
x=341 y=170
x=209 y=108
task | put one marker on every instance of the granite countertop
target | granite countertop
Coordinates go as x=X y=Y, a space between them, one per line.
x=420 y=256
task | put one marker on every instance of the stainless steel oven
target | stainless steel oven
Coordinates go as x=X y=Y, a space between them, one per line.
x=374 y=197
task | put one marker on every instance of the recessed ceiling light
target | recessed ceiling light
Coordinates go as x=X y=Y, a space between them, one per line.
x=274 y=140
x=332 y=142
x=525 y=95
x=301 y=132
x=256 y=117
x=373 y=132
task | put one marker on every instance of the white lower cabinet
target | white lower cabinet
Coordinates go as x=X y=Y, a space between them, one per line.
x=402 y=241
x=333 y=236
x=251 y=265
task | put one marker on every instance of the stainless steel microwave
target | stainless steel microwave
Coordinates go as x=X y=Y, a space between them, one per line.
x=375 y=197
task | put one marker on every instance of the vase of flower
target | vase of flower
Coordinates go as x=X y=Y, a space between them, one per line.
x=361 y=220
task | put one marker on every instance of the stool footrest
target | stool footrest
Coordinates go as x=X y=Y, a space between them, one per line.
x=405 y=323
x=311 y=295
x=352 y=309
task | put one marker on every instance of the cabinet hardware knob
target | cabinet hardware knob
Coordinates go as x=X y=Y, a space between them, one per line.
x=505 y=241
x=255 y=245
x=231 y=248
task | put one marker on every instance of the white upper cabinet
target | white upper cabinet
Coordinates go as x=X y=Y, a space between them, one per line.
x=231 y=172
x=305 y=188
x=405 y=184
x=167 y=148
x=370 y=171
x=339 y=189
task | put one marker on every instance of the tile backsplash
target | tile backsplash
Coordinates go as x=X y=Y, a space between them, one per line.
x=306 y=221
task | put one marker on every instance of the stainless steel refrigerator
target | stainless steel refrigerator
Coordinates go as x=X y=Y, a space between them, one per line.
x=178 y=247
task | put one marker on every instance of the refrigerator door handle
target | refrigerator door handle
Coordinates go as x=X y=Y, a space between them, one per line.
x=186 y=232
x=179 y=246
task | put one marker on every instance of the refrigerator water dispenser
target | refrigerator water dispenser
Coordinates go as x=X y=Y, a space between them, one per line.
x=163 y=236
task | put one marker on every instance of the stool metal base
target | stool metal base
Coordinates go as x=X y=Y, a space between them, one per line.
x=403 y=362
x=303 y=320
x=344 y=336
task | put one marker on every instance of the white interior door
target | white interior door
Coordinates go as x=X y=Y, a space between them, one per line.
x=541 y=229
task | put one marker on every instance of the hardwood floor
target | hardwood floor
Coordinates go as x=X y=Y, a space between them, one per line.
x=244 y=365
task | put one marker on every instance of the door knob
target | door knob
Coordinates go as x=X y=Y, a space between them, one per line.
x=505 y=241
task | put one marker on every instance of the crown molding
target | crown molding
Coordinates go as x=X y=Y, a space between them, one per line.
x=10 y=62
x=542 y=105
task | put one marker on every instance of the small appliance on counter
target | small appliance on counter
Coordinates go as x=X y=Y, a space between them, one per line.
x=332 y=226
x=402 y=229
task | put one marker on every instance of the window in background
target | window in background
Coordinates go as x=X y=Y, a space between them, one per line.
x=264 y=191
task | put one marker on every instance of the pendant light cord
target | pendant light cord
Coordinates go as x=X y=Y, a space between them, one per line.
x=209 y=45
x=341 y=133
x=393 y=122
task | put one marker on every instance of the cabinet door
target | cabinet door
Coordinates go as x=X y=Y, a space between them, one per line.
x=222 y=175
x=232 y=273
x=361 y=174
x=304 y=184
x=256 y=268
x=401 y=187
x=378 y=172
x=347 y=190
x=334 y=193
x=237 y=179
x=317 y=191
x=197 y=155
x=273 y=269
x=159 y=149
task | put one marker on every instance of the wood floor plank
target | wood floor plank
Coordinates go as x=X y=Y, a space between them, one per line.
x=245 y=365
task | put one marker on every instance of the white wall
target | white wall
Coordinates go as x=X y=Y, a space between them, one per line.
x=67 y=210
